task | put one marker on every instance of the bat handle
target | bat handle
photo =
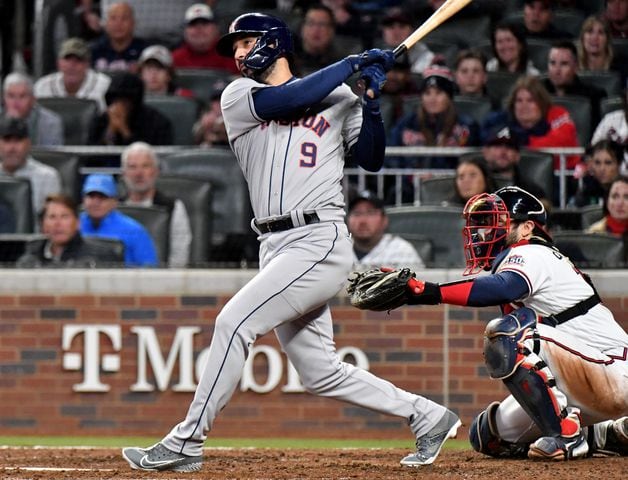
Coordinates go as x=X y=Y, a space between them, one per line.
x=400 y=50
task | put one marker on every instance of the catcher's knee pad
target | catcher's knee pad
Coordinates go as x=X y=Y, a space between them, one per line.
x=502 y=341
x=485 y=439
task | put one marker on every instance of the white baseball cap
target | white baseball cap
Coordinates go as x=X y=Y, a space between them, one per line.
x=199 y=11
x=158 y=53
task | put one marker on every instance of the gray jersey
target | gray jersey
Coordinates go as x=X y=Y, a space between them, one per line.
x=292 y=165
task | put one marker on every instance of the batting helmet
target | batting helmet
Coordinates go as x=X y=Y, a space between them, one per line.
x=275 y=39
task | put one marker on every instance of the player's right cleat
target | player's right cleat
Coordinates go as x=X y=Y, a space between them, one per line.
x=159 y=458
x=559 y=448
x=617 y=436
x=429 y=445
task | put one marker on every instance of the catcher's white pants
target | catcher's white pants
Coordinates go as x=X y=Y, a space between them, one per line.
x=300 y=271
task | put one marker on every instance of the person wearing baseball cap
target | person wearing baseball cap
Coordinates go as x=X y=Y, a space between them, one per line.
x=372 y=246
x=396 y=26
x=74 y=77
x=200 y=36
x=158 y=74
x=16 y=161
x=434 y=122
x=102 y=219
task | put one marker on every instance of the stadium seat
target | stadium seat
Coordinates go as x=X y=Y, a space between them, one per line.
x=610 y=104
x=538 y=169
x=113 y=244
x=538 y=51
x=462 y=32
x=591 y=250
x=77 y=115
x=580 y=110
x=609 y=80
x=423 y=245
x=475 y=107
x=442 y=225
x=182 y=113
x=569 y=20
x=16 y=192
x=68 y=167
x=498 y=86
x=434 y=191
x=231 y=211
x=590 y=214
x=157 y=221
x=196 y=196
x=13 y=246
x=445 y=49
x=202 y=82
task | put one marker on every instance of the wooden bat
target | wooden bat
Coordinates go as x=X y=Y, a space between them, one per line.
x=444 y=12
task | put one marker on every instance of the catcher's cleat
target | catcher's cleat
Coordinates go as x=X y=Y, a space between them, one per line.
x=160 y=458
x=429 y=445
x=616 y=441
x=559 y=448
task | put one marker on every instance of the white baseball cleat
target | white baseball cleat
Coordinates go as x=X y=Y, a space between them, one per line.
x=159 y=458
x=429 y=445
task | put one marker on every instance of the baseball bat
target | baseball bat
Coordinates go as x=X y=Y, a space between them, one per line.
x=444 y=12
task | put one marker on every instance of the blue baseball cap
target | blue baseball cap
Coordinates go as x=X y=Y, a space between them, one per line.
x=100 y=183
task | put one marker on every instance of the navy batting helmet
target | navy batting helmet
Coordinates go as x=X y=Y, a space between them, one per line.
x=275 y=39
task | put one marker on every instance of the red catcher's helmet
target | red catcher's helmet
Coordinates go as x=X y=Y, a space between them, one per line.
x=484 y=235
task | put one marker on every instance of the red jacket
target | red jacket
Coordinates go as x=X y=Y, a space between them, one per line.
x=184 y=57
x=562 y=133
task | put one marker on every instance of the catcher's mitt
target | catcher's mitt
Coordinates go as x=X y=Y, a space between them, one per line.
x=379 y=290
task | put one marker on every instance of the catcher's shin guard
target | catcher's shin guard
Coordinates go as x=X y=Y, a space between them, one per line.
x=484 y=437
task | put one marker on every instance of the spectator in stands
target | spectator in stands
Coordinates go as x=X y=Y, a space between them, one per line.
x=470 y=73
x=74 y=78
x=372 y=246
x=101 y=219
x=615 y=219
x=118 y=49
x=396 y=27
x=347 y=18
x=15 y=147
x=315 y=48
x=562 y=77
x=533 y=121
x=399 y=87
x=140 y=170
x=616 y=13
x=538 y=17
x=157 y=21
x=510 y=50
x=614 y=126
x=434 y=123
x=604 y=160
x=88 y=20
x=7 y=218
x=209 y=129
x=64 y=246
x=156 y=72
x=502 y=155
x=127 y=118
x=44 y=125
x=472 y=177
x=595 y=50
x=201 y=35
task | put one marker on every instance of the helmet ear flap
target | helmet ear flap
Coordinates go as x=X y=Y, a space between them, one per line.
x=275 y=43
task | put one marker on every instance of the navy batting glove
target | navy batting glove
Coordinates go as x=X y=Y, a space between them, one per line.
x=374 y=78
x=384 y=57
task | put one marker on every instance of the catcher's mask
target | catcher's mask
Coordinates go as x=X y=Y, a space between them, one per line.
x=274 y=39
x=488 y=219
x=484 y=234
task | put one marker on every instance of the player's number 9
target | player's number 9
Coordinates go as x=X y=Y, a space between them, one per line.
x=308 y=150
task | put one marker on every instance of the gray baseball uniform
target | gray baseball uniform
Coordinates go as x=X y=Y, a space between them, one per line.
x=294 y=171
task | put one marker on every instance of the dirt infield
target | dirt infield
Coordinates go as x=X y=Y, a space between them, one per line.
x=98 y=463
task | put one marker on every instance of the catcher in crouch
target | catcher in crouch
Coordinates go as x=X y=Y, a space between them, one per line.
x=558 y=349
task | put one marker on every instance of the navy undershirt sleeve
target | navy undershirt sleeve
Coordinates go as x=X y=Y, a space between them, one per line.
x=368 y=151
x=274 y=103
x=497 y=289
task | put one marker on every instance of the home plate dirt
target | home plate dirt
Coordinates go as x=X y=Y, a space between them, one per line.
x=339 y=464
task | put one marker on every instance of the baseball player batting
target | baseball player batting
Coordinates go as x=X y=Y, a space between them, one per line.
x=290 y=137
x=558 y=349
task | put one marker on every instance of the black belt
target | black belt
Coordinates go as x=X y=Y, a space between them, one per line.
x=284 y=222
x=578 y=309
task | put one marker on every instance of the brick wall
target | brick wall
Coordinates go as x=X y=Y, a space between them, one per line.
x=407 y=346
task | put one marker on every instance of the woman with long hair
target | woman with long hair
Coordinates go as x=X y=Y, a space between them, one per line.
x=510 y=50
x=595 y=50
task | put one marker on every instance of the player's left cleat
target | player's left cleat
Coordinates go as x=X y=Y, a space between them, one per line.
x=159 y=458
x=559 y=448
x=616 y=438
x=429 y=445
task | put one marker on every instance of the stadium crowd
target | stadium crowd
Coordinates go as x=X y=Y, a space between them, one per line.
x=506 y=77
